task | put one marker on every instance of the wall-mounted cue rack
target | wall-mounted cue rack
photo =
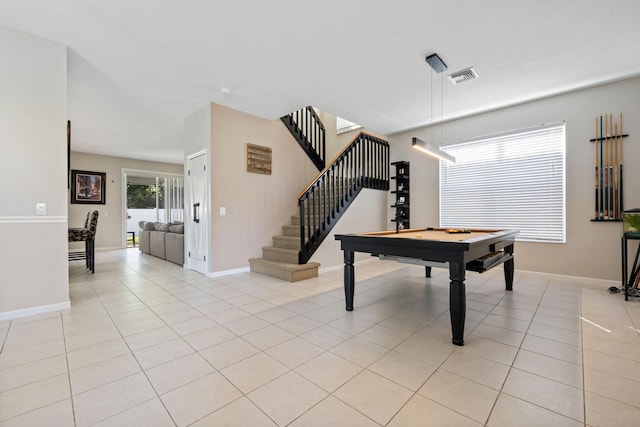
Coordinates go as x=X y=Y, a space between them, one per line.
x=609 y=158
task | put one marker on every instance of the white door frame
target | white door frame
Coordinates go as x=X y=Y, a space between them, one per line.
x=189 y=264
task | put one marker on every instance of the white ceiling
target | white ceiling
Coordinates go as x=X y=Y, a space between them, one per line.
x=137 y=69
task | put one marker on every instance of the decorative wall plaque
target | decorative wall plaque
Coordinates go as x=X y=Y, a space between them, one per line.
x=258 y=159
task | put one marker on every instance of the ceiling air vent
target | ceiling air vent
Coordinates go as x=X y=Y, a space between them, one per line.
x=464 y=75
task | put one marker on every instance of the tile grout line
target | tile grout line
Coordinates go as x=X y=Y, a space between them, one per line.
x=97 y=296
x=500 y=392
x=66 y=356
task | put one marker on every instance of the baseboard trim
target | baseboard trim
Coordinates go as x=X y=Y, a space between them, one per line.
x=567 y=278
x=16 y=314
x=108 y=248
x=227 y=272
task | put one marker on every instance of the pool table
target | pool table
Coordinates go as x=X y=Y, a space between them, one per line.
x=475 y=250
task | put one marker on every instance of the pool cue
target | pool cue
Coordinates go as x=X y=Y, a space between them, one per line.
x=621 y=197
x=616 y=205
x=605 y=169
x=610 y=169
x=596 y=169
x=600 y=176
x=611 y=210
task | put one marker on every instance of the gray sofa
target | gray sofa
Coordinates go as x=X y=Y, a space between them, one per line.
x=163 y=240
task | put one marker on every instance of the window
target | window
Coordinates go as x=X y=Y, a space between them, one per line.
x=343 y=125
x=514 y=180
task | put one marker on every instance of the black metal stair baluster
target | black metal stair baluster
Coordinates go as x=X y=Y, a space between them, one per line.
x=352 y=171
x=307 y=224
x=333 y=192
x=362 y=157
x=369 y=162
x=327 y=202
x=305 y=125
x=323 y=142
x=363 y=164
x=377 y=167
x=322 y=216
x=336 y=184
x=312 y=213
x=301 y=207
x=358 y=150
x=314 y=137
x=341 y=183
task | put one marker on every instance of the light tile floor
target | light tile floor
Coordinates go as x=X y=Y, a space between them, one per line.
x=148 y=343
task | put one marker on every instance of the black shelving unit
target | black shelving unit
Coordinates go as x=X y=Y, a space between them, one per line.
x=402 y=193
x=630 y=278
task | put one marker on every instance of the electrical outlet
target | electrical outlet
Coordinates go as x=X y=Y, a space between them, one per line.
x=223 y=211
x=41 y=209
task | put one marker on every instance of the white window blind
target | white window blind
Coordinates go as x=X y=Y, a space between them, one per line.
x=514 y=180
x=343 y=125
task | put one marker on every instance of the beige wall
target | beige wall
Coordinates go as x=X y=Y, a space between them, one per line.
x=110 y=226
x=256 y=205
x=33 y=117
x=592 y=249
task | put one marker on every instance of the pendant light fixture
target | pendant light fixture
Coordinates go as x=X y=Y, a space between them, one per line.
x=438 y=65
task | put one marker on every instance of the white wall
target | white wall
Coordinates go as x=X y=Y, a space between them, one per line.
x=592 y=249
x=197 y=131
x=33 y=169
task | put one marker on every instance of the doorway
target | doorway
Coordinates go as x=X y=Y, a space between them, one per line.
x=197 y=217
x=150 y=196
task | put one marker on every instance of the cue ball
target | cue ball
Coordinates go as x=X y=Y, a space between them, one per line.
x=418 y=236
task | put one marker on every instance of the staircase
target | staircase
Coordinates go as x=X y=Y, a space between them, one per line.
x=363 y=163
x=281 y=259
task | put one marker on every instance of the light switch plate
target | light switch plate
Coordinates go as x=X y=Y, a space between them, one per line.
x=223 y=211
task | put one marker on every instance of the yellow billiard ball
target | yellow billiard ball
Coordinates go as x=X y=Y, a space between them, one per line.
x=418 y=236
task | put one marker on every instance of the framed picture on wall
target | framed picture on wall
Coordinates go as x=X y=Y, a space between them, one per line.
x=88 y=187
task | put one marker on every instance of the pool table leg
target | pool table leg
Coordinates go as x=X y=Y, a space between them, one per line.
x=349 y=279
x=427 y=271
x=457 y=301
x=509 y=267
